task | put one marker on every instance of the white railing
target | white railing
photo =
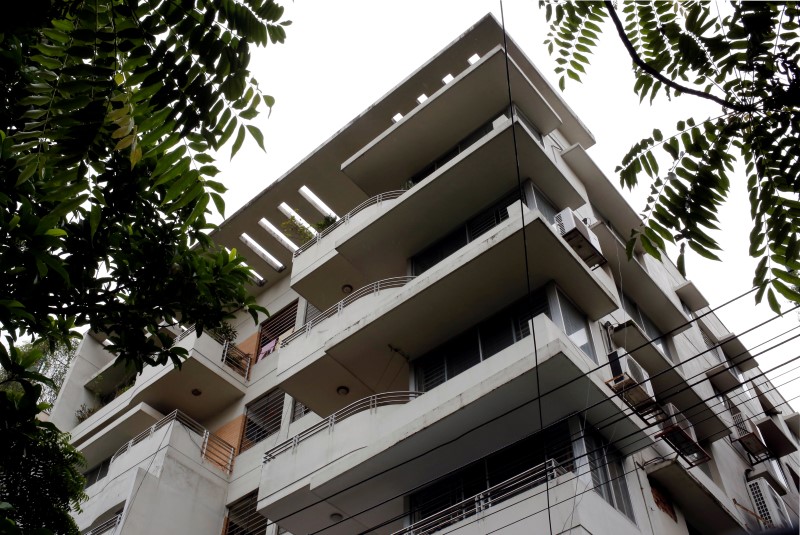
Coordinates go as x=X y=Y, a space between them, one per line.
x=213 y=448
x=533 y=477
x=369 y=289
x=368 y=403
x=106 y=527
x=232 y=356
x=377 y=199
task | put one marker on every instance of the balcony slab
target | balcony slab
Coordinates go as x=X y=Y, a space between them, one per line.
x=381 y=328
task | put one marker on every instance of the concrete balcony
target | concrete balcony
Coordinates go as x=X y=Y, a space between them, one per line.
x=648 y=294
x=366 y=349
x=173 y=474
x=497 y=401
x=203 y=386
x=670 y=385
x=358 y=251
x=699 y=498
x=434 y=126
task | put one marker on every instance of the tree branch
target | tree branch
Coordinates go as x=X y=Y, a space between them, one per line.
x=660 y=77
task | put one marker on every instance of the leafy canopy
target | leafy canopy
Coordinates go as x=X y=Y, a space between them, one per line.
x=109 y=111
x=745 y=59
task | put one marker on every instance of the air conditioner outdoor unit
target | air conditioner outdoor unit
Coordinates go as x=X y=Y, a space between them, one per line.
x=674 y=418
x=580 y=238
x=768 y=505
x=629 y=379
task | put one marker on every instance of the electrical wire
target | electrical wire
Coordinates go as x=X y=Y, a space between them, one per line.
x=695 y=319
x=498 y=417
x=541 y=491
x=524 y=235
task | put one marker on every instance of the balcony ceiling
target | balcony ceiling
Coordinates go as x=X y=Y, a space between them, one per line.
x=107 y=441
x=496 y=400
x=438 y=124
x=774 y=436
x=705 y=510
x=471 y=285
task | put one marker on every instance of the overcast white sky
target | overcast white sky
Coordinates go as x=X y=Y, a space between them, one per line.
x=342 y=56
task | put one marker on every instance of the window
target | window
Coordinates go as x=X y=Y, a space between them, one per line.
x=480 y=224
x=274 y=328
x=478 y=343
x=262 y=418
x=243 y=518
x=298 y=410
x=97 y=473
x=608 y=473
x=646 y=324
x=464 y=234
x=500 y=331
x=531 y=461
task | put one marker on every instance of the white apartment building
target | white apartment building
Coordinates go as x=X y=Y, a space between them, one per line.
x=465 y=350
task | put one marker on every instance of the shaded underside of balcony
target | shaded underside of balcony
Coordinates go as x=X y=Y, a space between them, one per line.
x=466 y=288
x=449 y=115
x=381 y=247
x=483 y=409
x=701 y=506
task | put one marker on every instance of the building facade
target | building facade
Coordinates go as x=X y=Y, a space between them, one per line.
x=460 y=346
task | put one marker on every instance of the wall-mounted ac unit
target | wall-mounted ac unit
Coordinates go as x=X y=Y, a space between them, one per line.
x=629 y=379
x=580 y=238
x=674 y=418
x=768 y=505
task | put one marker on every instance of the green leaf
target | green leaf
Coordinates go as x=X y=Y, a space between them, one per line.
x=257 y=135
x=237 y=144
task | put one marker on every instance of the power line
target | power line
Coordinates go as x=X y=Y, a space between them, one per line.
x=574 y=478
x=541 y=395
x=564 y=443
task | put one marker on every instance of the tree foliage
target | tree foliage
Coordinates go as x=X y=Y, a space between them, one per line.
x=744 y=59
x=109 y=113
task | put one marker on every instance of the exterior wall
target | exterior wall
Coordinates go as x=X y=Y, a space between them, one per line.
x=162 y=485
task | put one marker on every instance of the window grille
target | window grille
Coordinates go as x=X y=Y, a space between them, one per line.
x=608 y=474
x=277 y=325
x=496 y=333
x=97 y=473
x=298 y=410
x=262 y=418
x=494 y=479
x=244 y=519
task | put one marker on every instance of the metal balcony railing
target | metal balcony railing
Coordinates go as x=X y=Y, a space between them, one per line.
x=377 y=199
x=232 y=356
x=369 y=289
x=106 y=527
x=213 y=448
x=509 y=488
x=368 y=403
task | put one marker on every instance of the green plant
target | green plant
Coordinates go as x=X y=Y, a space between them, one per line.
x=84 y=412
x=296 y=231
x=226 y=332
x=326 y=222
x=740 y=56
